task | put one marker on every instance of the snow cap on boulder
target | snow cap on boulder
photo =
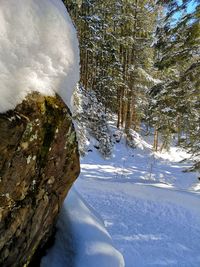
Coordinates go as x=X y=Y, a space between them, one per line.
x=38 y=51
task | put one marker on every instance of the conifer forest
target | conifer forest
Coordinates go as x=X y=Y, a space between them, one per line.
x=142 y=58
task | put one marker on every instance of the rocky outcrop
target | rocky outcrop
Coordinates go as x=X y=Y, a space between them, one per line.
x=38 y=163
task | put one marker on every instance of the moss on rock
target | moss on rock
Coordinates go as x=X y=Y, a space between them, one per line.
x=39 y=162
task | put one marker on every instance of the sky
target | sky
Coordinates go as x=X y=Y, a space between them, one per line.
x=192 y=6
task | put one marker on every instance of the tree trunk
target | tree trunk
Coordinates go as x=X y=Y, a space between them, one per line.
x=155 y=143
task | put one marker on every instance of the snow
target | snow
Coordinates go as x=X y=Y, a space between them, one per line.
x=82 y=231
x=38 y=51
x=149 y=206
x=148 y=77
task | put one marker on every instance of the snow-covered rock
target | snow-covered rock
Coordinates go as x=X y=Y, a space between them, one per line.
x=39 y=159
x=38 y=51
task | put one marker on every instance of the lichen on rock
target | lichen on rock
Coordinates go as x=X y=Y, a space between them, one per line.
x=39 y=162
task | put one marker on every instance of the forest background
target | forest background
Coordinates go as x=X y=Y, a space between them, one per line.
x=142 y=60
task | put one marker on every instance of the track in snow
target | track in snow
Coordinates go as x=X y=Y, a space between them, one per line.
x=153 y=222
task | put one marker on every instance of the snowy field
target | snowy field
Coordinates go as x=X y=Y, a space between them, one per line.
x=149 y=207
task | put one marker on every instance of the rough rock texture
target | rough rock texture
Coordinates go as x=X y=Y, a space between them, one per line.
x=39 y=161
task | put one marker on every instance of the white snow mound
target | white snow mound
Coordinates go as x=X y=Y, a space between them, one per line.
x=81 y=239
x=38 y=51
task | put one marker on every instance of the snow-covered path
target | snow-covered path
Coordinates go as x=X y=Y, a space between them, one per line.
x=148 y=228
x=149 y=206
x=150 y=209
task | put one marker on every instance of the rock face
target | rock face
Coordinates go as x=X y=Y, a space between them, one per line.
x=39 y=161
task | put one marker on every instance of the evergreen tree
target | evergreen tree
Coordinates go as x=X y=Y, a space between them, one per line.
x=175 y=101
x=118 y=62
x=116 y=53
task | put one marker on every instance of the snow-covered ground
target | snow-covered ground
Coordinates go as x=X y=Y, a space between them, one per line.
x=148 y=205
x=81 y=239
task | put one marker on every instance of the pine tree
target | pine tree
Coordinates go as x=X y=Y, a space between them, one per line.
x=174 y=104
x=115 y=45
